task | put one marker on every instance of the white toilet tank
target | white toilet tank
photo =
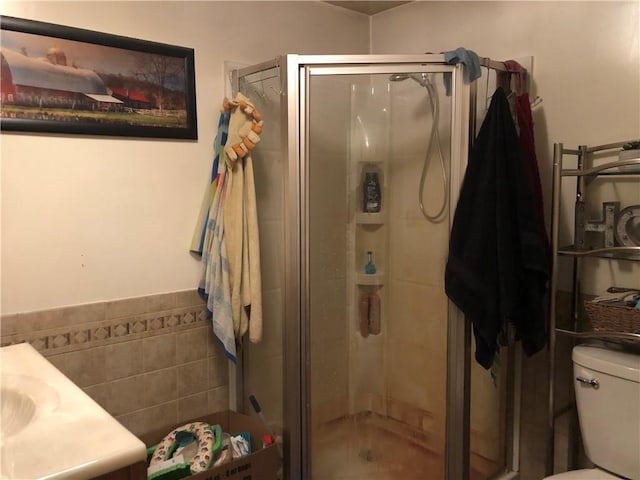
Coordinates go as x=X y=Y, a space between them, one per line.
x=607 y=385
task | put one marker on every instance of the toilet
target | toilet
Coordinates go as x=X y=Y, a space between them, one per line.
x=607 y=386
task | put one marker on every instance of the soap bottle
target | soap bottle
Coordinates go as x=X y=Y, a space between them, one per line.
x=372 y=197
x=370 y=267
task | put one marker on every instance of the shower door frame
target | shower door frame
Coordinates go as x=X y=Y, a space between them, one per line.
x=327 y=66
x=295 y=71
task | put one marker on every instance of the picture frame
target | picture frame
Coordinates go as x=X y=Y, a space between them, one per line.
x=59 y=79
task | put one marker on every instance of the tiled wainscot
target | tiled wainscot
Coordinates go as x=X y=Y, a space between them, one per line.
x=148 y=361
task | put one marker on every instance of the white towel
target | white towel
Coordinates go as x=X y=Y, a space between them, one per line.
x=241 y=230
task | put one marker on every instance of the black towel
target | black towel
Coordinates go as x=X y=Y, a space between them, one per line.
x=498 y=267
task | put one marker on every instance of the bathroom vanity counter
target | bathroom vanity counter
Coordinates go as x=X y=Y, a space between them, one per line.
x=51 y=429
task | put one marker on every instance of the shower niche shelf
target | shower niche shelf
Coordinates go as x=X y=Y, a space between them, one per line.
x=369 y=215
x=370 y=218
x=370 y=279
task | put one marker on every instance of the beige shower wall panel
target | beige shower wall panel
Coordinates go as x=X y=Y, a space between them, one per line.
x=264 y=360
x=329 y=380
x=367 y=371
x=416 y=355
x=328 y=410
x=271 y=254
x=415 y=378
x=268 y=172
x=418 y=248
x=328 y=310
x=329 y=114
x=328 y=249
x=329 y=377
x=269 y=108
x=410 y=118
x=265 y=381
x=328 y=187
x=416 y=386
x=418 y=316
x=329 y=346
x=327 y=195
x=404 y=184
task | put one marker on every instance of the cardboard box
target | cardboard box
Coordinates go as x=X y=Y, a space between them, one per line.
x=262 y=464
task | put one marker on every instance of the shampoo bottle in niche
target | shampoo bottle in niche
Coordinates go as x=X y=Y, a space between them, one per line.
x=371 y=193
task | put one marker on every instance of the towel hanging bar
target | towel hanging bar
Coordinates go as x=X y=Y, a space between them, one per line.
x=494 y=65
x=261 y=79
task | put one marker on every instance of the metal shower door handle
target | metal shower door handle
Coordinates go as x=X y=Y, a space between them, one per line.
x=591 y=382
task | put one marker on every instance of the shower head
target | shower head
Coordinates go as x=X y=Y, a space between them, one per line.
x=421 y=78
x=398 y=77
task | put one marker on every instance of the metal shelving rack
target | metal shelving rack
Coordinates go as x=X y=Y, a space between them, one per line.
x=584 y=174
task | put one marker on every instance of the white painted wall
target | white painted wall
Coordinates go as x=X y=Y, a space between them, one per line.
x=586 y=68
x=86 y=219
x=97 y=218
x=586 y=55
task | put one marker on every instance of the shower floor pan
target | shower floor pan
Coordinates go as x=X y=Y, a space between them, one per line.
x=368 y=446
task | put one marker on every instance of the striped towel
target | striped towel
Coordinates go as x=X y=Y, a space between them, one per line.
x=201 y=226
x=209 y=241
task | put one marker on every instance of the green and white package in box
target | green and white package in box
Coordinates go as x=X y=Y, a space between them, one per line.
x=261 y=464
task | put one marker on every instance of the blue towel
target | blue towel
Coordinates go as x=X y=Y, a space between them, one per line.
x=471 y=66
x=197 y=242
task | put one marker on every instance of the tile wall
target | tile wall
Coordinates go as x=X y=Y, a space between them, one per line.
x=149 y=361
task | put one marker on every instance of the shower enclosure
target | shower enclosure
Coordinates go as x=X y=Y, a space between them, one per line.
x=368 y=372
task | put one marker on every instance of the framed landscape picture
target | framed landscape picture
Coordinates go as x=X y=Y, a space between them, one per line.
x=61 y=79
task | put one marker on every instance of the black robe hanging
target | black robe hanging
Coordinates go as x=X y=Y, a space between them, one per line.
x=498 y=267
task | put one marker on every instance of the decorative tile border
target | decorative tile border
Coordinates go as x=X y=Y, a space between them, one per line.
x=77 y=335
x=80 y=336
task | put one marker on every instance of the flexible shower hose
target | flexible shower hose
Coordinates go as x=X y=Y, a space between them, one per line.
x=435 y=112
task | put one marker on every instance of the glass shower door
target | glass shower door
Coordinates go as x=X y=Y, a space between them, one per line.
x=365 y=364
x=377 y=333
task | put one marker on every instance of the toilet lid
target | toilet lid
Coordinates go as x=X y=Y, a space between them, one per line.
x=591 y=474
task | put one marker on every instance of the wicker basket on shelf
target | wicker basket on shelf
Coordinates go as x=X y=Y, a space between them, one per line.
x=613 y=317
